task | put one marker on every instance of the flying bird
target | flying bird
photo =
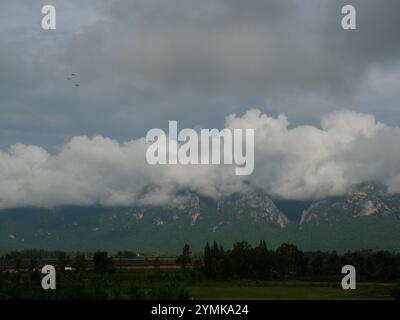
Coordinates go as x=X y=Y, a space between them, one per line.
x=73 y=75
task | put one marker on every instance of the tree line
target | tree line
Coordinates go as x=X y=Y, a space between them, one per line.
x=243 y=261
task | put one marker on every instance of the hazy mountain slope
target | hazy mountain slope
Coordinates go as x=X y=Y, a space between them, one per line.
x=195 y=220
x=366 y=217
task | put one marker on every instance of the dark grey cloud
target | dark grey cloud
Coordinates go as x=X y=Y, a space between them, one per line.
x=142 y=63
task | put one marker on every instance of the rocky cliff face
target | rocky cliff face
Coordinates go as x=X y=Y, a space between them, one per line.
x=257 y=206
x=365 y=199
x=191 y=207
x=254 y=206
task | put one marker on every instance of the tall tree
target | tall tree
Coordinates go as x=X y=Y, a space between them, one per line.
x=185 y=258
x=102 y=263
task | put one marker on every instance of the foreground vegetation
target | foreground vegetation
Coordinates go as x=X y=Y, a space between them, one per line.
x=300 y=290
x=243 y=272
x=171 y=284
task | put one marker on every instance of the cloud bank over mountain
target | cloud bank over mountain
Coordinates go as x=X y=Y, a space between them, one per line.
x=299 y=162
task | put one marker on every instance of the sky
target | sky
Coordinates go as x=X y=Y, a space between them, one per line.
x=285 y=67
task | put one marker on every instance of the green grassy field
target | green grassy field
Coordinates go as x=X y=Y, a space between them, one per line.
x=287 y=290
x=263 y=290
x=250 y=289
x=175 y=284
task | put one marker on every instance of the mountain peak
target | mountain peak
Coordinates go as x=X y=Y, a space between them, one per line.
x=363 y=199
x=255 y=204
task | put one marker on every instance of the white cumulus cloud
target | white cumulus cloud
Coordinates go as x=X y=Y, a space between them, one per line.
x=290 y=162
